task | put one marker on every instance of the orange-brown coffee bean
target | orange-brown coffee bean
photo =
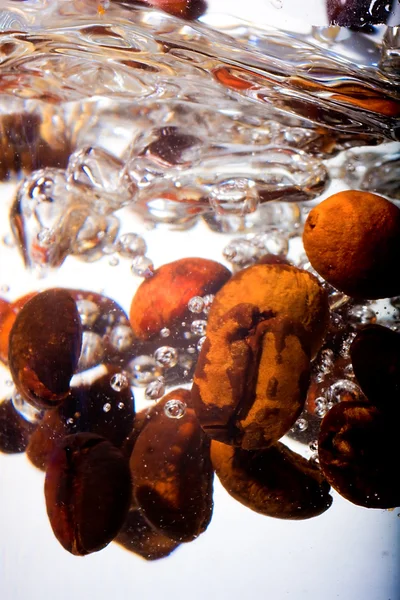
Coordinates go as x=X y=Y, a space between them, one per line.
x=171 y=471
x=277 y=290
x=88 y=491
x=162 y=300
x=359 y=453
x=276 y=482
x=44 y=347
x=251 y=379
x=352 y=240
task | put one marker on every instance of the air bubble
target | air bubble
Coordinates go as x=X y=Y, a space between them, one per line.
x=234 y=197
x=106 y=407
x=208 y=299
x=343 y=389
x=132 y=245
x=121 y=337
x=240 y=252
x=120 y=405
x=88 y=311
x=142 y=267
x=166 y=356
x=196 y=304
x=165 y=332
x=155 y=389
x=119 y=382
x=361 y=315
x=175 y=409
x=144 y=370
x=301 y=424
x=198 y=327
x=113 y=261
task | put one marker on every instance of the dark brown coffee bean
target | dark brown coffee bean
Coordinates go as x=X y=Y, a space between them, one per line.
x=88 y=491
x=15 y=431
x=45 y=343
x=359 y=453
x=95 y=408
x=172 y=472
x=276 y=482
x=358 y=13
x=139 y=537
x=375 y=355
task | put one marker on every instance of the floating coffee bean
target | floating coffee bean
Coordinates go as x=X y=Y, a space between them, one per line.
x=275 y=482
x=88 y=491
x=251 y=378
x=375 y=355
x=172 y=472
x=44 y=347
x=15 y=431
x=95 y=408
x=139 y=537
x=359 y=452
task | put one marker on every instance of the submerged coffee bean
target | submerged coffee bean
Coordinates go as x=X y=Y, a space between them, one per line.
x=44 y=347
x=88 y=491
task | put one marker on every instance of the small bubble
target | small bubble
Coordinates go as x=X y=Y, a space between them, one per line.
x=113 y=261
x=236 y=196
x=119 y=382
x=88 y=311
x=106 y=407
x=70 y=421
x=122 y=337
x=165 y=332
x=343 y=389
x=301 y=424
x=9 y=382
x=46 y=237
x=144 y=369
x=121 y=405
x=155 y=389
x=196 y=304
x=4 y=288
x=131 y=245
x=240 y=252
x=175 y=409
x=199 y=327
x=313 y=445
x=166 y=356
x=191 y=350
x=92 y=351
x=142 y=267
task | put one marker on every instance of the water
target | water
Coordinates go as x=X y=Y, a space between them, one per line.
x=130 y=138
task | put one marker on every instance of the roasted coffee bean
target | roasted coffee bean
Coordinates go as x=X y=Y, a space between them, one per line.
x=251 y=378
x=277 y=290
x=162 y=300
x=15 y=431
x=139 y=537
x=95 y=408
x=359 y=452
x=358 y=14
x=88 y=491
x=171 y=471
x=352 y=240
x=276 y=482
x=44 y=347
x=375 y=355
